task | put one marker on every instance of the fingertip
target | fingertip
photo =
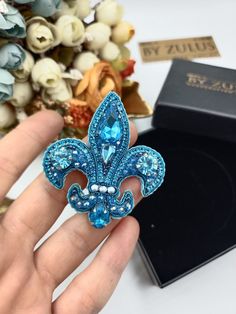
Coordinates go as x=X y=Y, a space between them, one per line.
x=50 y=116
x=133 y=133
x=131 y=224
x=127 y=232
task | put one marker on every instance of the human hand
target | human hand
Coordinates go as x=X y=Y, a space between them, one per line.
x=27 y=277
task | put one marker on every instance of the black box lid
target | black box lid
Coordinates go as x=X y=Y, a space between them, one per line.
x=199 y=99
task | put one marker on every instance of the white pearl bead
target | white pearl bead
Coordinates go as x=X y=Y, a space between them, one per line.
x=85 y=191
x=94 y=187
x=111 y=190
x=103 y=189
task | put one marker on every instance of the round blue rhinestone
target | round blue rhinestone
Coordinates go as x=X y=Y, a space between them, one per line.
x=147 y=165
x=62 y=158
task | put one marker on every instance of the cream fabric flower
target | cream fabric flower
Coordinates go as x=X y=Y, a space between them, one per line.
x=46 y=73
x=61 y=92
x=109 y=12
x=99 y=33
x=110 y=51
x=7 y=116
x=71 y=29
x=83 y=8
x=22 y=94
x=23 y=72
x=84 y=61
x=41 y=35
x=122 y=33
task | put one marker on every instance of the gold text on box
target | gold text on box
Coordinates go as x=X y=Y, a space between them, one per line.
x=188 y=48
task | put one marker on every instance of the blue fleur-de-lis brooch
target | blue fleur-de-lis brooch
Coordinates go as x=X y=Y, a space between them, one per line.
x=106 y=161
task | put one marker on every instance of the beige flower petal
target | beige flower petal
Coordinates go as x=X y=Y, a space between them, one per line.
x=41 y=35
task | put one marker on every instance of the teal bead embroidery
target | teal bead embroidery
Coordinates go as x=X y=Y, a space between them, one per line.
x=106 y=161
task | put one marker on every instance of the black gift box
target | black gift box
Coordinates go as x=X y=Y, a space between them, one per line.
x=200 y=99
x=191 y=219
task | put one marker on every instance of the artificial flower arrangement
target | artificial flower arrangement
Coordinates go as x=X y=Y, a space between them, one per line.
x=64 y=55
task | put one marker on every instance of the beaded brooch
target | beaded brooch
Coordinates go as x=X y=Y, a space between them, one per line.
x=106 y=161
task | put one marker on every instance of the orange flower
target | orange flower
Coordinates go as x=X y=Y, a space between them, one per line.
x=79 y=114
x=97 y=82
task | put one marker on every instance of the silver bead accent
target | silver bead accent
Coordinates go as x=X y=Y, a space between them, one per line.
x=94 y=187
x=111 y=190
x=86 y=204
x=103 y=189
x=128 y=205
x=85 y=191
x=121 y=209
x=113 y=208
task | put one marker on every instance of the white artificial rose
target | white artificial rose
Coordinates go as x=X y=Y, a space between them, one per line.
x=122 y=33
x=84 y=61
x=99 y=33
x=109 y=12
x=7 y=116
x=110 y=51
x=61 y=92
x=46 y=73
x=41 y=35
x=71 y=29
x=22 y=94
x=83 y=8
x=23 y=72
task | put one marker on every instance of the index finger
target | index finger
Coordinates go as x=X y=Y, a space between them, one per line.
x=19 y=148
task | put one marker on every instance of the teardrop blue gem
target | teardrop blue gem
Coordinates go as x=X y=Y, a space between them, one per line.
x=107 y=152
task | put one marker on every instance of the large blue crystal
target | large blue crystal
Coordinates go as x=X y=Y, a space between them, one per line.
x=107 y=152
x=111 y=128
x=99 y=216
